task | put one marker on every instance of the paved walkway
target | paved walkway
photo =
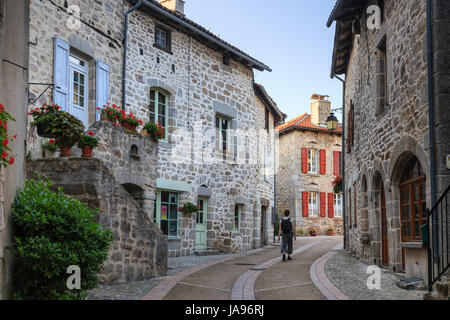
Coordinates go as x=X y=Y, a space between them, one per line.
x=349 y=276
x=256 y=275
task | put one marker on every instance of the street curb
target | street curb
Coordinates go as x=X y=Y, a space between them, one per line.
x=320 y=279
x=159 y=291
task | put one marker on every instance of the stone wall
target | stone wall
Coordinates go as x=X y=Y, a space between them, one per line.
x=385 y=139
x=291 y=181
x=139 y=250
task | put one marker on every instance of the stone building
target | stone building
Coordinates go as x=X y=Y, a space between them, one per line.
x=389 y=163
x=309 y=162
x=220 y=124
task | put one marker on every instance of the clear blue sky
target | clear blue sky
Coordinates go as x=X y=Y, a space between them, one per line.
x=290 y=36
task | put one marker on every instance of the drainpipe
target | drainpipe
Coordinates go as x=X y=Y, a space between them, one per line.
x=343 y=157
x=125 y=47
x=274 y=213
x=431 y=132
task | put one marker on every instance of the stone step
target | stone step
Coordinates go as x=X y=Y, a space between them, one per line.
x=202 y=253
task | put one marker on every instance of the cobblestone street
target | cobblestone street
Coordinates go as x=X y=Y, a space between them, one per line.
x=350 y=276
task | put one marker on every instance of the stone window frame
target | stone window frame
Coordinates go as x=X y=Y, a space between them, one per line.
x=168 y=47
x=338 y=213
x=314 y=213
x=310 y=167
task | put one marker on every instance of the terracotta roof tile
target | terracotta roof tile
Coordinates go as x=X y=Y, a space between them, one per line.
x=304 y=122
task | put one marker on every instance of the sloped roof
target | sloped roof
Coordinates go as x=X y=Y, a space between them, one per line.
x=269 y=102
x=303 y=122
x=180 y=22
x=344 y=12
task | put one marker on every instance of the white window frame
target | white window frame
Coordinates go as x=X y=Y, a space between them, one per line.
x=312 y=161
x=313 y=204
x=156 y=113
x=338 y=205
x=84 y=70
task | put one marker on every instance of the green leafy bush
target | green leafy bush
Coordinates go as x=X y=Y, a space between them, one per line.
x=53 y=232
x=277 y=228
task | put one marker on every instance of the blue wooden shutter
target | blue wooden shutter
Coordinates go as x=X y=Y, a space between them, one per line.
x=101 y=86
x=61 y=74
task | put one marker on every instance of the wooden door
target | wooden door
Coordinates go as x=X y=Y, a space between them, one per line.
x=200 y=230
x=384 y=229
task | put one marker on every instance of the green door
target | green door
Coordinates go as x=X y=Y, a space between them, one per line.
x=200 y=230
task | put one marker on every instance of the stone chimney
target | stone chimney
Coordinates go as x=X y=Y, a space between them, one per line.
x=320 y=110
x=174 y=5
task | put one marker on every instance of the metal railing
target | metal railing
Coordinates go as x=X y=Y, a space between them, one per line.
x=438 y=250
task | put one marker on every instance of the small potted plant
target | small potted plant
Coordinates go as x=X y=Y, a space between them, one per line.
x=330 y=232
x=312 y=232
x=111 y=113
x=68 y=130
x=189 y=209
x=337 y=185
x=153 y=130
x=87 y=144
x=43 y=119
x=50 y=148
x=129 y=121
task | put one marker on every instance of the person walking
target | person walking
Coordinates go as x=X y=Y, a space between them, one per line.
x=287 y=233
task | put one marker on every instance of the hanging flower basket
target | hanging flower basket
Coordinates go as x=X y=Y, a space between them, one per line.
x=189 y=209
x=43 y=130
x=337 y=185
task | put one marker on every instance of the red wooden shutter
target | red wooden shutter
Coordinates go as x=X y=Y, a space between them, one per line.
x=336 y=163
x=331 y=205
x=304 y=160
x=305 y=204
x=323 y=205
x=323 y=161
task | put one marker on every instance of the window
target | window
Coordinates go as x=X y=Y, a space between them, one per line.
x=267 y=120
x=78 y=88
x=350 y=127
x=201 y=213
x=163 y=39
x=413 y=201
x=382 y=80
x=167 y=212
x=350 y=208
x=237 y=218
x=158 y=108
x=223 y=138
x=338 y=205
x=267 y=163
x=337 y=163
x=313 y=205
x=312 y=161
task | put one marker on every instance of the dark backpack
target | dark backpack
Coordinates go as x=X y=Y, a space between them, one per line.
x=286 y=226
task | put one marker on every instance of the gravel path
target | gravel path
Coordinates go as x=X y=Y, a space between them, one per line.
x=136 y=290
x=350 y=276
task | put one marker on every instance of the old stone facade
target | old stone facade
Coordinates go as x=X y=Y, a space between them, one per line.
x=203 y=85
x=139 y=249
x=309 y=162
x=387 y=132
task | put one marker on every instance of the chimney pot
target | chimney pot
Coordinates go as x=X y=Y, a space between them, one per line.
x=174 y=5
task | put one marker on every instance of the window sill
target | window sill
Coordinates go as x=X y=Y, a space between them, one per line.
x=173 y=238
x=412 y=245
x=166 y=50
